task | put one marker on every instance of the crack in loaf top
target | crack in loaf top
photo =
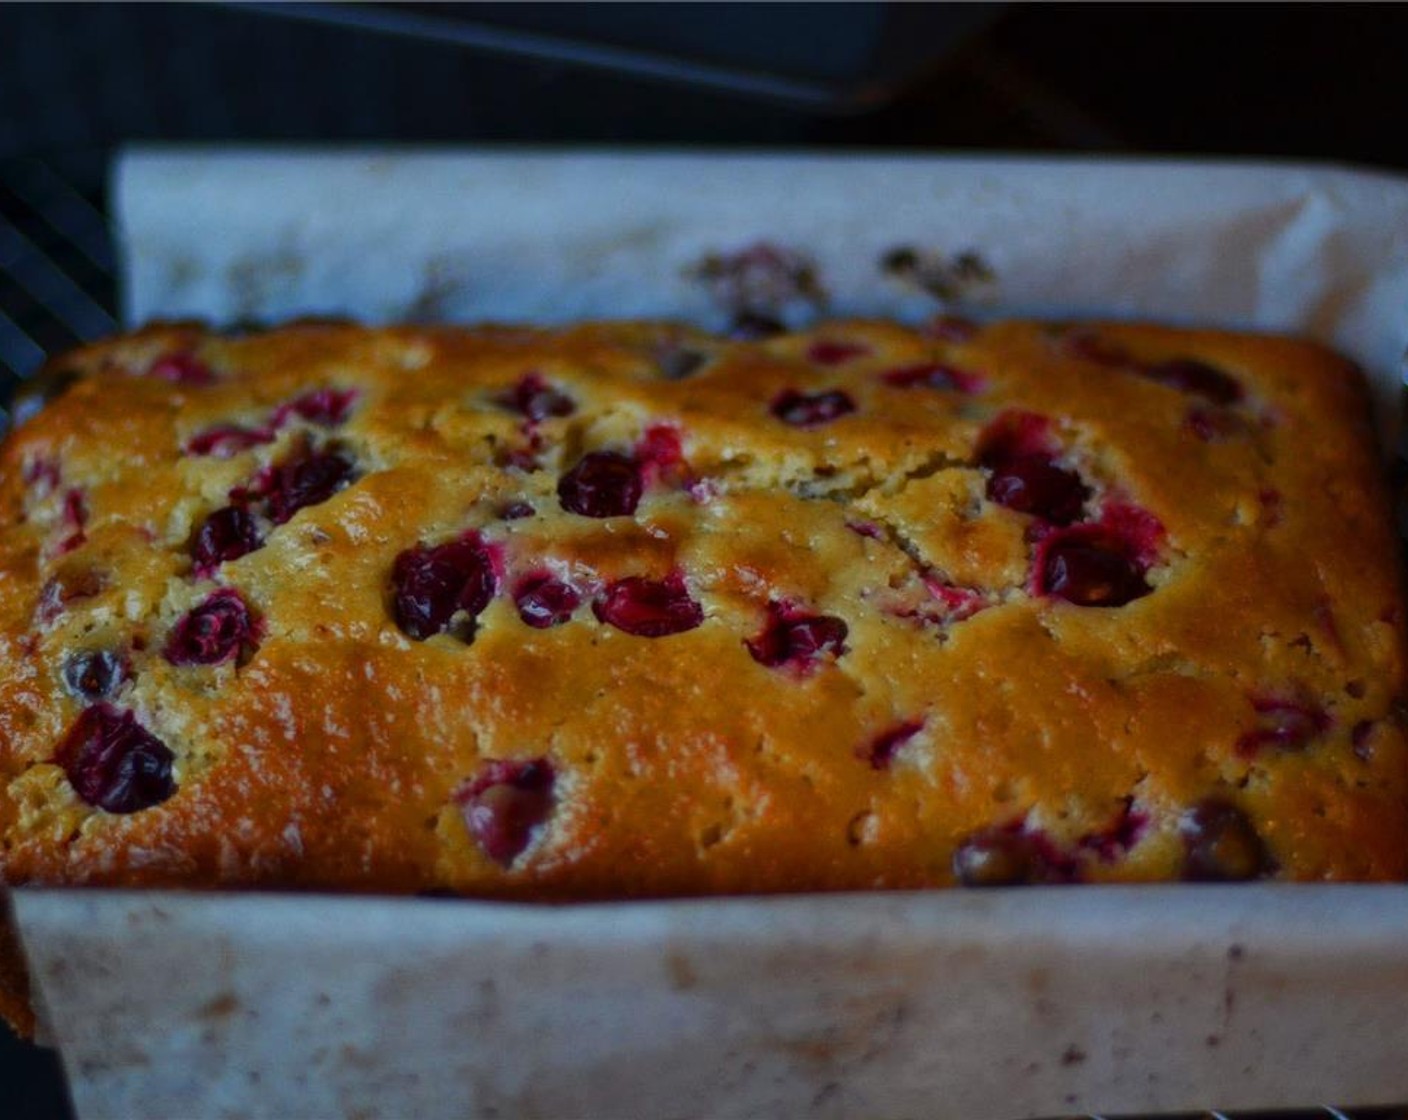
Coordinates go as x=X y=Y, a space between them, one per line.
x=629 y=610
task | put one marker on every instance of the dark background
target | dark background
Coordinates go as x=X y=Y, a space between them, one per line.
x=1296 y=82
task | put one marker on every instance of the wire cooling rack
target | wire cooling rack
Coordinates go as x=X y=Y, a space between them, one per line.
x=57 y=269
x=58 y=288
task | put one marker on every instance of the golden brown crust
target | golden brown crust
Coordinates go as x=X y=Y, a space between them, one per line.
x=1239 y=719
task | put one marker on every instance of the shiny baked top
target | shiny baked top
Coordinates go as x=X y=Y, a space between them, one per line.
x=630 y=610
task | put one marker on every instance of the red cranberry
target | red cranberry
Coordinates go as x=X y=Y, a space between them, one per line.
x=959 y=603
x=181 y=368
x=1220 y=844
x=66 y=587
x=1120 y=836
x=1014 y=434
x=602 y=484
x=866 y=529
x=794 y=638
x=506 y=804
x=1018 y=450
x=75 y=509
x=1089 y=569
x=1035 y=484
x=1139 y=532
x=218 y=630
x=227 y=440
x=881 y=752
x=1188 y=375
x=43 y=474
x=75 y=517
x=307 y=479
x=433 y=587
x=951 y=328
x=1010 y=855
x=932 y=375
x=114 y=763
x=1283 y=725
x=516 y=511
x=826 y=352
x=660 y=447
x=94 y=674
x=537 y=400
x=227 y=534
x=659 y=454
x=649 y=608
x=804 y=410
x=325 y=407
x=544 y=601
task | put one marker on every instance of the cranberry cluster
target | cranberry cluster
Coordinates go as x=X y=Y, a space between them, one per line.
x=1220 y=844
x=308 y=476
x=1090 y=564
x=324 y=408
x=112 y=762
x=1019 y=853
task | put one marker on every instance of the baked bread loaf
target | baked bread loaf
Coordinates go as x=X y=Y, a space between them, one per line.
x=632 y=610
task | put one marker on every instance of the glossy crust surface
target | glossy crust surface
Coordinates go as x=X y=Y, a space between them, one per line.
x=1115 y=603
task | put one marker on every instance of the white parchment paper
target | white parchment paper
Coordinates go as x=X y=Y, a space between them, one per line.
x=552 y=237
x=969 y=1005
x=976 y=1005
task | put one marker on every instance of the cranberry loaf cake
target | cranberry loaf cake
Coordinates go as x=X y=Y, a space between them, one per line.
x=633 y=610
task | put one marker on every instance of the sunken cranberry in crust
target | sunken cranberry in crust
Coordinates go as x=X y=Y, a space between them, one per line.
x=543 y=600
x=649 y=608
x=792 y=637
x=95 y=674
x=810 y=410
x=308 y=478
x=115 y=764
x=981 y=589
x=505 y=804
x=602 y=484
x=227 y=534
x=217 y=630
x=435 y=588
